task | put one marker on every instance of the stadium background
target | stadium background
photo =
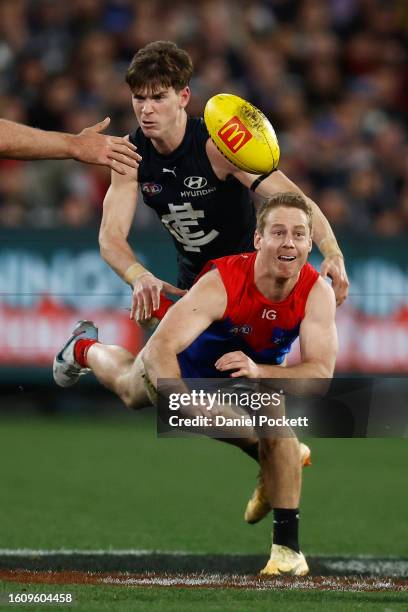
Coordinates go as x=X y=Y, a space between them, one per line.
x=330 y=76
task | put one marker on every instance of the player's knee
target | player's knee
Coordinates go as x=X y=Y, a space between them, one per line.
x=136 y=401
x=266 y=447
x=272 y=445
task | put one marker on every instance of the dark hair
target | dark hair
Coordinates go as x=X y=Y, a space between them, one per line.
x=287 y=199
x=159 y=64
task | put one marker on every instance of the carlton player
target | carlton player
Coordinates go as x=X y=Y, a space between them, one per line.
x=201 y=198
x=239 y=319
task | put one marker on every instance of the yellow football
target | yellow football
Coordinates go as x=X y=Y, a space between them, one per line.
x=242 y=133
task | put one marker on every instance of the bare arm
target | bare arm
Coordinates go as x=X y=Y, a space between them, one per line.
x=323 y=236
x=318 y=334
x=204 y=303
x=19 y=141
x=318 y=344
x=119 y=208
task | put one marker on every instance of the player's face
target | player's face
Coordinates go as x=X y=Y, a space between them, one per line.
x=286 y=242
x=158 y=112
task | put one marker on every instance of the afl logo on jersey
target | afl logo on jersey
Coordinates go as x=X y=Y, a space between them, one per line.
x=244 y=329
x=195 y=182
x=151 y=188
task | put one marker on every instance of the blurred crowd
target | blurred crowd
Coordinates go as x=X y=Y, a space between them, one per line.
x=330 y=74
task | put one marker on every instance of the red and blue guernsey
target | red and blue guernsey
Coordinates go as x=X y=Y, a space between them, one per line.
x=261 y=329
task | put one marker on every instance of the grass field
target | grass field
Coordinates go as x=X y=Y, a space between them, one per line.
x=109 y=483
x=105 y=598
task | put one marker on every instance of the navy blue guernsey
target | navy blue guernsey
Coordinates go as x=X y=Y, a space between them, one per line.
x=208 y=218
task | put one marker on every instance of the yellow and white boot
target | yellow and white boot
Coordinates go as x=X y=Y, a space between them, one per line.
x=285 y=562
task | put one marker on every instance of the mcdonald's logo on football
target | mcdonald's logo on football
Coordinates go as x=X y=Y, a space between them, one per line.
x=234 y=134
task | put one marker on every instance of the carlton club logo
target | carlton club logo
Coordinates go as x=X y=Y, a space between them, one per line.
x=234 y=134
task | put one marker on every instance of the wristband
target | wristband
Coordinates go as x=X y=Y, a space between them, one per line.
x=329 y=247
x=259 y=180
x=134 y=271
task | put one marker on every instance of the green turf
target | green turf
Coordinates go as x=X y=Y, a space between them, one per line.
x=118 y=599
x=110 y=483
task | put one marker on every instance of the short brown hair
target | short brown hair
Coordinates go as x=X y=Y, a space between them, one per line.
x=287 y=199
x=159 y=64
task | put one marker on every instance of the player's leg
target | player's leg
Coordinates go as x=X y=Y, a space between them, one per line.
x=258 y=506
x=249 y=445
x=113 y=366
x=280 y=464
x=119 y=371
x=281 y=471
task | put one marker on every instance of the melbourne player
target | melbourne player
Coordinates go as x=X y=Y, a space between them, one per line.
x=219 y=328
x=201 y=198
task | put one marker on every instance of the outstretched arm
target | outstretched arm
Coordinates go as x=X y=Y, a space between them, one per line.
x=204 y=303
x=19 y=141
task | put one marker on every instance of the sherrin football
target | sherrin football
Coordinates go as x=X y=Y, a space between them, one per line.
x=242 y=133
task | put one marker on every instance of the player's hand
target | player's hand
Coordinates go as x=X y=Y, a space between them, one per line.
x=241 y=363
x=333 y=267
x=118 y=153
x=146 y=295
